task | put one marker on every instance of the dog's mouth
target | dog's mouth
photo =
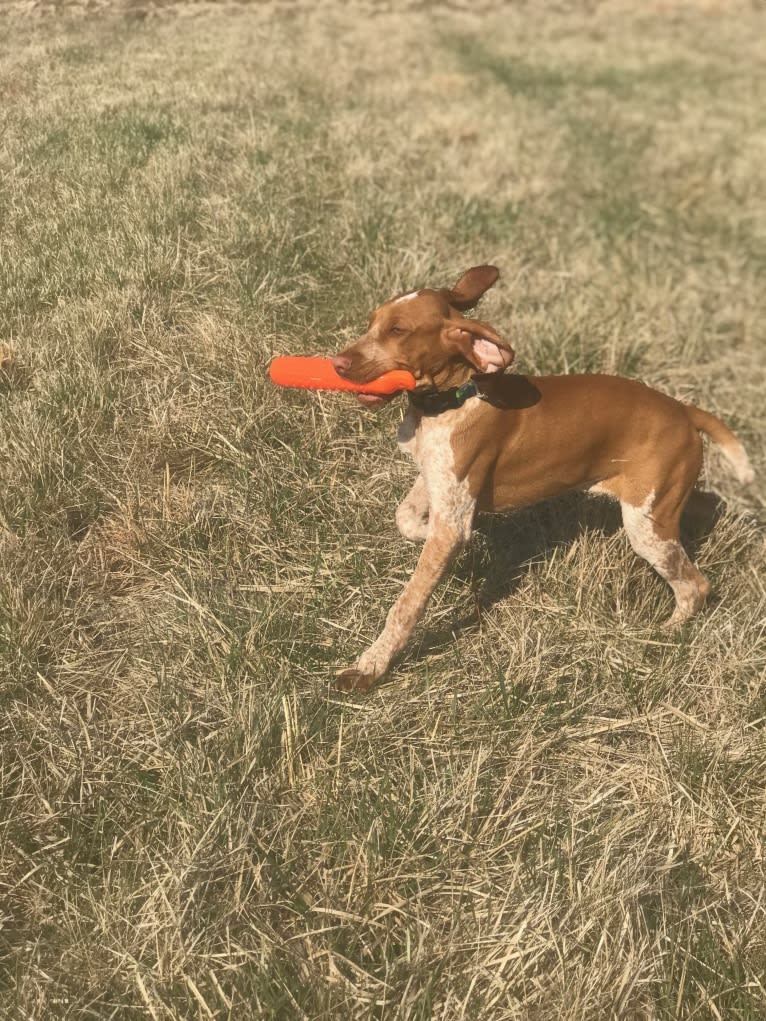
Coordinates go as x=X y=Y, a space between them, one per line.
x=378 y=400
x=375 y=400
x=363 y=371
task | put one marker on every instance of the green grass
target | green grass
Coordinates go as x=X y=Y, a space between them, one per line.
x=552 y=809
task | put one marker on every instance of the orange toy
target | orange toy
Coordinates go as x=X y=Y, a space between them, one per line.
x=307 y=373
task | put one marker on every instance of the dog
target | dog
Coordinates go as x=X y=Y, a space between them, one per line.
x=486 y=441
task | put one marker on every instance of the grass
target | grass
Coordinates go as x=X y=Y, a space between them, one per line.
x=553 y=810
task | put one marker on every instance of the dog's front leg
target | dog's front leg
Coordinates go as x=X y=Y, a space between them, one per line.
x=445 y=540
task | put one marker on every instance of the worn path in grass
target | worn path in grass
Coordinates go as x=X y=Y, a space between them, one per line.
x=553 y=810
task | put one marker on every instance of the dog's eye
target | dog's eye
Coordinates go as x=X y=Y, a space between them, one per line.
x=397 y=330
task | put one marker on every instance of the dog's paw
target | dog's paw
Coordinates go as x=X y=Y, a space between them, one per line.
x=354 y=680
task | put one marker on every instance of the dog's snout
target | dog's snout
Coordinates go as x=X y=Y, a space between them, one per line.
x=341 y=364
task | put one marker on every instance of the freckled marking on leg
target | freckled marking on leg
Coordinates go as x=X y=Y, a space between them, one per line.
x=667 y=556
x=441 y=546
x=451 y=510
x=690 y=587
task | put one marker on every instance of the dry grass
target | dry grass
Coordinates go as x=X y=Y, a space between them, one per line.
x=553 y=810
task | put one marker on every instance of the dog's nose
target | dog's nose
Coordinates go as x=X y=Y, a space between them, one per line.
x=341 y=364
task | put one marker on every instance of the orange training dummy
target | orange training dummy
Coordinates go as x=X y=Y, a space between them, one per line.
x=318 y=374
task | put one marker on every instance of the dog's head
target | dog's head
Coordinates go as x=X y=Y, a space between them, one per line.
x=425 y=332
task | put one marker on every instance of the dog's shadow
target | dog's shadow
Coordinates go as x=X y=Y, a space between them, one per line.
x=495 y=565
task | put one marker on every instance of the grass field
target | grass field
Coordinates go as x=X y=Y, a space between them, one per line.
x=553 y=809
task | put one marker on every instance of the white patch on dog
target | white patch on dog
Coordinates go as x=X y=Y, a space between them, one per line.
x=739 y=462
x=599 y=489
x=406 y=297
x=640 y=528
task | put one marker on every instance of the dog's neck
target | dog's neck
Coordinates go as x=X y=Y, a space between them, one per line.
x=439 y=401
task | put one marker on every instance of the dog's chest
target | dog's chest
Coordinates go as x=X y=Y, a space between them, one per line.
x=426 y=440
x=430 y=442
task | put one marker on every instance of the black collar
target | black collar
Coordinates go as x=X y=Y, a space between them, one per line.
x=436 y=402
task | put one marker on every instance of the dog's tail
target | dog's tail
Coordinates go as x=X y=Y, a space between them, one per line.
x=732 y=450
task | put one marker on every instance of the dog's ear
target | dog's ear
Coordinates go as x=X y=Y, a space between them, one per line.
x=479 y=344
x=470 y=287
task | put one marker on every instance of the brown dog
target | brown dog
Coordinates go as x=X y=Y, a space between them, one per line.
x=490 y=442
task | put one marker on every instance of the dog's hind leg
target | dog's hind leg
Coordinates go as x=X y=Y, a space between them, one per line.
x=653 y=531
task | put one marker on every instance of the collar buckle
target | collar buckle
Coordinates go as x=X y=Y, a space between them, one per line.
x=462 y=393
